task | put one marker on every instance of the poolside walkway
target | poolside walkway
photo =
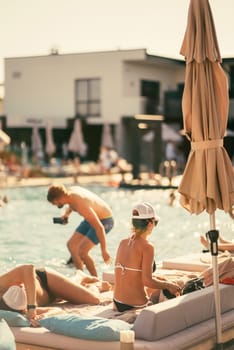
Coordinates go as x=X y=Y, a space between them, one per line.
x=13 y=181
x=112 y=180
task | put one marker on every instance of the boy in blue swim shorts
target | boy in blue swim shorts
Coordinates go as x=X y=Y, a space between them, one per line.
x=98 y=221
x=87 y=230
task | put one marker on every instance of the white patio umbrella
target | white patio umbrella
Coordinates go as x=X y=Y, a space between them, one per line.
x=36 y=142
x=76 y=142
x=107 y=139
x=50 y=147
x=4 y=138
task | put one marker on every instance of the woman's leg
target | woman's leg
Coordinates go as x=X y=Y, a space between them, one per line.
x=226 y=245
x=224 y=240
x=66 y=289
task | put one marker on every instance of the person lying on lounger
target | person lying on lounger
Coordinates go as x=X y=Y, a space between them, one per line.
x=223 y=244
x=25 y=289
x=134 y=264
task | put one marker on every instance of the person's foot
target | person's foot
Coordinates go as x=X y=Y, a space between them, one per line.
x=69 y=261
x=105 y=286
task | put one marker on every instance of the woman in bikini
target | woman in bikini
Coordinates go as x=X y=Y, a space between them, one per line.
x=39 y=287
x=135 y=261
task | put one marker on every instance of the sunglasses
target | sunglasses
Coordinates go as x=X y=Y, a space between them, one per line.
x=155 y=222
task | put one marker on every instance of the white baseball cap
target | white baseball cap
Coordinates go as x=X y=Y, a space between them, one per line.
x=144 y=211
x=15 y=297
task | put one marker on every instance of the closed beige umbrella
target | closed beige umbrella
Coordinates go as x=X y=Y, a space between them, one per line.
x=208 y=179
x=76 y=142
x=36 y=142
x=50 y=147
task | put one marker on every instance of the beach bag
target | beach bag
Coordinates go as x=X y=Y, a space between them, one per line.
x=189 y=287
x=193 y=285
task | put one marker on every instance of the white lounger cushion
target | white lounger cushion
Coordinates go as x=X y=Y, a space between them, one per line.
x=163 y=319
x=7 y=339
x=44 y=339
x=193 y=262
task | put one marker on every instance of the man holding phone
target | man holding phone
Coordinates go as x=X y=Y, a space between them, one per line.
x=98 y=221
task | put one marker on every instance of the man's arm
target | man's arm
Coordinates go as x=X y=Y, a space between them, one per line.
x=67 y=212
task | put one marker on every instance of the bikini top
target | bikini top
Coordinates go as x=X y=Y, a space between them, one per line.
x=124 y=268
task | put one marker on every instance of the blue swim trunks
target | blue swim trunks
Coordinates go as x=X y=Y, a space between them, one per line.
x=87 y=230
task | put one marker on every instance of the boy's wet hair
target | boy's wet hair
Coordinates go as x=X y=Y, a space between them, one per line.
x=55 y=191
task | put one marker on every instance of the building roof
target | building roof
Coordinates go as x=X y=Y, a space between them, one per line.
x=150 y=58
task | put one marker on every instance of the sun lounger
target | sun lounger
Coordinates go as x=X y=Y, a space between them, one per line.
x=192 y=262
x=186 y=322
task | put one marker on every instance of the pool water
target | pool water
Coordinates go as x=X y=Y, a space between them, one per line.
x=28 y=234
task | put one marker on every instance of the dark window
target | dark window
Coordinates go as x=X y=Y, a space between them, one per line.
x=180 y=88
x=150 y=90
x=87 y=97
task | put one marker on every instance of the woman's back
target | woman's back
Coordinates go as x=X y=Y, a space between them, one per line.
x=129 y=286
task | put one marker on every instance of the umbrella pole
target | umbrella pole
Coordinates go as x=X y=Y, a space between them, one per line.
x=213 y=235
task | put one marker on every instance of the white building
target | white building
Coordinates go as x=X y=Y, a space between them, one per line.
x=99 y=87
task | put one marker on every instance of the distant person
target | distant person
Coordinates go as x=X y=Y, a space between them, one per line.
x=114 y=157
x=98 y=221
x=172 y=198
x=65 y=151
x=26 y=289
x=76 y=166
x=3 y=200
x=83 y=152
x=223 y=244
x=170 y=151
x=134 y=264
x=104 y=160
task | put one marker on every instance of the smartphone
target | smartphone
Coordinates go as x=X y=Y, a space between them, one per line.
x=59 y=220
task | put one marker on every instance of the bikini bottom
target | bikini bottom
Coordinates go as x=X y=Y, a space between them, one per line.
x=41 y=274
x=121 y=307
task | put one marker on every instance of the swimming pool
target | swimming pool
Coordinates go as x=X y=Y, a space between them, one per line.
x=28 y=234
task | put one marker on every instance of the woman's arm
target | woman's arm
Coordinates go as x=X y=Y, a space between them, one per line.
x=22 y=274
x=67 y=213
x=28 y=276
x=151 y=281
x=147 y=263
